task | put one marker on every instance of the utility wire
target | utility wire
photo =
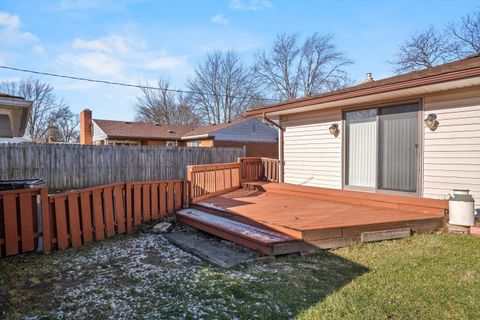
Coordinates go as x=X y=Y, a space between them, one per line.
x=130 y=85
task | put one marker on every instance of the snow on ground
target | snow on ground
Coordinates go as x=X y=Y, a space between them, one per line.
x=146 y=277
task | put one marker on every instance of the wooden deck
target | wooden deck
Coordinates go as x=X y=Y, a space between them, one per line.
x=316 y=217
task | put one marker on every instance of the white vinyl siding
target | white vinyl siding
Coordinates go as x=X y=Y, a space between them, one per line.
x=452 y=152
x=98 y=133
x=313 y=156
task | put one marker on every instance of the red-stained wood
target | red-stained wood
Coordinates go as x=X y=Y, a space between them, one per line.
x=146 y=202
x=98 y=214
x=46 y=231
x=186 y=194
x=178 y=195
x=10 y=224
x=154 y=200
x=119 y=208
x=162 y=191
x=26 y=220
x=61 y=222
x=137 y=205
x=74 y=220
x=128 y=208
x=170 y=198
x=86 y=214
x=108 y=211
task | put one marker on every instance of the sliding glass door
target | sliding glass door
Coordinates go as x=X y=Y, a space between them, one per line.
x=381 y=148
x=361 y=130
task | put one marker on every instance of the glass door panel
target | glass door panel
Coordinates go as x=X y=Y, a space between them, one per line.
x=398 y=143
x=361 y=153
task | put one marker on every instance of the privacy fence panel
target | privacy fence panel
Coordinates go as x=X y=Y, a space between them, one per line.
x=32 y=220
x=21 y=220
x=66 y=166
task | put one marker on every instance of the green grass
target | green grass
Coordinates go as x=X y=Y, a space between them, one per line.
x=142 y=277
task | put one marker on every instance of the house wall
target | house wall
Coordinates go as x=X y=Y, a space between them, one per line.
x=98 y=134
x=312 y=155
x=205 y=143
x=251 y=130
x=451 y=157
x=452 y=152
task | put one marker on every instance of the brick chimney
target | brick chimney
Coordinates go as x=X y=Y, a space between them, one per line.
x=86 y=127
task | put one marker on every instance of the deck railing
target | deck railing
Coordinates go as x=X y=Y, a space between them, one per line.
x=32 y=220
x=213 y=179
x=258 y=169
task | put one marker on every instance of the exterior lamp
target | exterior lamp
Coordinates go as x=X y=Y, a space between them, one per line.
x=431 y=121
x=334 y=130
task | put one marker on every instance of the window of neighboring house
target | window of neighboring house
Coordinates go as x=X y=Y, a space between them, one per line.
x=171 y=143
x=254 y=128
x=196 y=143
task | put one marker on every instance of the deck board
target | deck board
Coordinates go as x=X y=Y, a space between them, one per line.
x=309 y=215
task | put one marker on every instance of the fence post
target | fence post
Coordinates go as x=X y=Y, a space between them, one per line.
x=47 y=237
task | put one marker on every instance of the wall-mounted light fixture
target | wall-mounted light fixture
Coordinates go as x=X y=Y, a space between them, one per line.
x=431 y=121
x=334 y=130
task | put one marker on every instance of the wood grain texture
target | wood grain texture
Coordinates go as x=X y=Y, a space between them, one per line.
x=10 y=224
x=69 y=166
x=74 y=220
x=26 y=220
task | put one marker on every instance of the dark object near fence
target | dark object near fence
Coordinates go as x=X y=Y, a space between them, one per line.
x=20 y=184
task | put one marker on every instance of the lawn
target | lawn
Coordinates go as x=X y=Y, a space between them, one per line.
x=145 y=277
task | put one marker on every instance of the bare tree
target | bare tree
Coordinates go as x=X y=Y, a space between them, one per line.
x=424 y=49
x=466 y=34
x=223 y=87
x=63 y=125
x=44 y=102
x=164 y=106
x=292 y=69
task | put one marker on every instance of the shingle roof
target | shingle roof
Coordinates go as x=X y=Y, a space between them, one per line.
x=4 y=95
x=206 y=130
x=455 y=69
x=142 y=130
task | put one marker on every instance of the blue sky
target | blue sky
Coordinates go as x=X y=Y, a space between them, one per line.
x=138 y=40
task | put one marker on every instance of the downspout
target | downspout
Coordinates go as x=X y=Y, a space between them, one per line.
x=280 y=146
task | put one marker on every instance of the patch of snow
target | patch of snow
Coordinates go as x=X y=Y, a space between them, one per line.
x=263 y=235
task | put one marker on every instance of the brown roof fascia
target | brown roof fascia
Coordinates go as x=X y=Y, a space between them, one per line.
x=455 y=75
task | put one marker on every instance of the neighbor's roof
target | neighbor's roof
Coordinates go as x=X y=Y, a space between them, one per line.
x=141 y=130
x=460 y=69
x=208 y=130
x=4 y=95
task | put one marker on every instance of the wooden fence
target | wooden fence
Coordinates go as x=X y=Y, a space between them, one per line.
x=66 y=166
x=213 y=179
x=30 y=219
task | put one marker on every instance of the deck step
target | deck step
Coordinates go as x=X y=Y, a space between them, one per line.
x=253 y=237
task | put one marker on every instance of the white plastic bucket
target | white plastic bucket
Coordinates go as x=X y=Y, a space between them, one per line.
x=461 y=208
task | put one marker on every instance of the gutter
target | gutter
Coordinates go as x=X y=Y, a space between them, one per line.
x=200 y=136
x=406 y=84
x=280 y=146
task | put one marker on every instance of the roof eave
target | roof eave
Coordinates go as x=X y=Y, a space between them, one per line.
x=199 y=136
x=362 y=92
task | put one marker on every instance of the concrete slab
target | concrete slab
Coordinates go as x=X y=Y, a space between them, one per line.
x=218 y=252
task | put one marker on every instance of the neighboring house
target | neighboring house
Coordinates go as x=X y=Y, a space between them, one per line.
x=13 y=118
x=415 y=134
x=258 y=138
